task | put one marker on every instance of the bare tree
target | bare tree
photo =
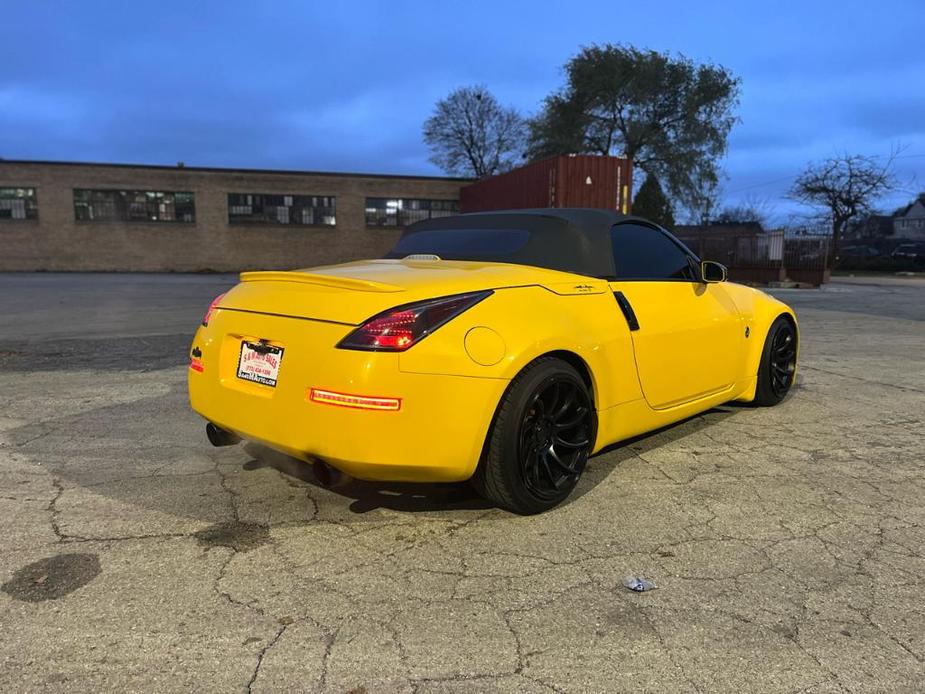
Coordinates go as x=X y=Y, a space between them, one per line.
x=845 y=187
x=471 y=134
x=751 y=209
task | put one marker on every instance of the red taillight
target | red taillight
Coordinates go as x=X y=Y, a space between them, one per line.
x=399 y=328
x=211 y=309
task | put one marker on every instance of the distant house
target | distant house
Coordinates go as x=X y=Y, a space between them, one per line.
x=909 y=222
x=871 y=228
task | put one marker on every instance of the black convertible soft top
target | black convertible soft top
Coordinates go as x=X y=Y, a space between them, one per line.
x=570 y=239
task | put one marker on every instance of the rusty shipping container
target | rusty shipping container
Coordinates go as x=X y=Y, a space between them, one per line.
x=574 y=180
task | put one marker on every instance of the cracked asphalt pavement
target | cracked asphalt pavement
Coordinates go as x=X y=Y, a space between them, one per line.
x=788 y=544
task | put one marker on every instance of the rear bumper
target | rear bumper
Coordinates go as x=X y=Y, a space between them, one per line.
x=436 y=435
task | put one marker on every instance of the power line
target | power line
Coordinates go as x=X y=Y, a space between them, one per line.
x=793 y=176
x=759 y=185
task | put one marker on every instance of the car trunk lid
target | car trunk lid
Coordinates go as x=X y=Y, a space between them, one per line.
x=352 y=292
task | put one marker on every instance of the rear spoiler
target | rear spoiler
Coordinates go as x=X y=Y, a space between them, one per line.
x=322 y=280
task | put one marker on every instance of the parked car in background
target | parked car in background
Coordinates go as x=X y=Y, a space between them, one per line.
x=859 y=251
x=910 y=251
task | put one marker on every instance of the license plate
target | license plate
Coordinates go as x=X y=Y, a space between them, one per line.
x=259 y=363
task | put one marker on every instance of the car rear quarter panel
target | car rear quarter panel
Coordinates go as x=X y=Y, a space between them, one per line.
x=532 y=321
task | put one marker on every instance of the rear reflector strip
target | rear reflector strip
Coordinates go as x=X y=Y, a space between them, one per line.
x=196 y=365
x=360 y=402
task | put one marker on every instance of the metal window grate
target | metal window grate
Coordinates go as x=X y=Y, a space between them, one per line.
x=400 y=212
x=267 y=208
x=91 y=205
x=18 y=203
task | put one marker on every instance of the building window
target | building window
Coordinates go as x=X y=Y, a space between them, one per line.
x=18 y=203
x=133 y=206
x=259 y=208
x=399 y=212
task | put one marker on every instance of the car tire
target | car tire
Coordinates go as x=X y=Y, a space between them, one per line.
x=778 y=363
x=540 y=439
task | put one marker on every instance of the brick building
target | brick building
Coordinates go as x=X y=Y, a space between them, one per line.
x=73 y=216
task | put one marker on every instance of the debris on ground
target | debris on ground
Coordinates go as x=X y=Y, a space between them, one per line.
x=638 y=585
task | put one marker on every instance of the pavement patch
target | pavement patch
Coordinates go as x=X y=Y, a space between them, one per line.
x=53 y=577
x=241 y=537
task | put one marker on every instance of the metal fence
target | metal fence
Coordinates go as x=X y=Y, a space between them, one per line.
x=763 y=257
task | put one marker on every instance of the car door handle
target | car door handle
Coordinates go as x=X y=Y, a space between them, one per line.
x=627 y=309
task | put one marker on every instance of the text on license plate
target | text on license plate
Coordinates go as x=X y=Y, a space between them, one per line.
x=259 y=363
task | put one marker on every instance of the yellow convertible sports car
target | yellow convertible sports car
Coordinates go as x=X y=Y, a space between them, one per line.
x=501 y=347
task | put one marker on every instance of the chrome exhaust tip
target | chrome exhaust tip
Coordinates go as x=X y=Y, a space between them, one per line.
x=219 y=437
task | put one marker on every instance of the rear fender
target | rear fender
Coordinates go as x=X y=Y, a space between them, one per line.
x=499 y=336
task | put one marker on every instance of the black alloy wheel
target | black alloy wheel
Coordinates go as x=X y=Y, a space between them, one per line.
x=783 y=360
x=540 y=439
x=555 y=435
x=778 y=363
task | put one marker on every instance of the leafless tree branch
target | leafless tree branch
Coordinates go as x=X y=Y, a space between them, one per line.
x=471 y=134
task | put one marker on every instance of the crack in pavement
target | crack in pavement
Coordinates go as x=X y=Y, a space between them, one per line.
x=262 y=654
x=771 y=533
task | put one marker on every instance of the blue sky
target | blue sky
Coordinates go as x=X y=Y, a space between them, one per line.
x=346 y=86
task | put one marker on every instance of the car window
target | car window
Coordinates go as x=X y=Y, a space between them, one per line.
x=645 y=253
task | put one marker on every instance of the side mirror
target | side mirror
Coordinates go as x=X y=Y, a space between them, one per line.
x=711 y=272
